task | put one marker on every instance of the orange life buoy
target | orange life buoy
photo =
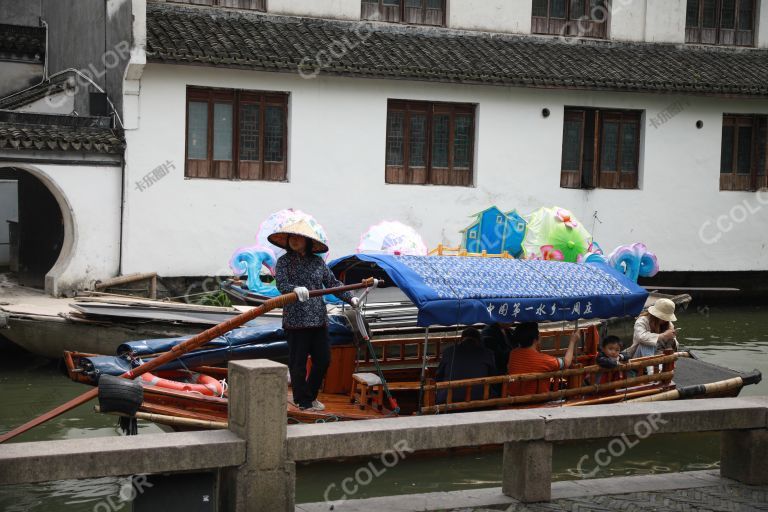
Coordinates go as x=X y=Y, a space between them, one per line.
x=193 y=382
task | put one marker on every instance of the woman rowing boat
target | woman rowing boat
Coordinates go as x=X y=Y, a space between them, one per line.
x=305 y=322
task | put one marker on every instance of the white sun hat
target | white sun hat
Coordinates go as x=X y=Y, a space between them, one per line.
x=663 y=309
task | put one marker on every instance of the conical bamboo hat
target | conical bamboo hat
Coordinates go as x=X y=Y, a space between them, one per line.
x=301 y=228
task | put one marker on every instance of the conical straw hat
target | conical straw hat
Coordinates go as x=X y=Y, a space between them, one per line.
x=301 y=228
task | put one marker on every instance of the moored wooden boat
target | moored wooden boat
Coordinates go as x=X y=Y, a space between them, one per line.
x=392 y=375
x=354 y=395
x=184 y=411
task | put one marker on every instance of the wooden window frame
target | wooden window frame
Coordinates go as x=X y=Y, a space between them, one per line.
x=251 y=5
x=406 y=174
x=592 y=176
x=757 y=178
x=378 y=11
x=237 y=169
x=718 y=35
x=572 y=25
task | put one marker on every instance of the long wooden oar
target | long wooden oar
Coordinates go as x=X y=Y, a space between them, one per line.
x=183 y=348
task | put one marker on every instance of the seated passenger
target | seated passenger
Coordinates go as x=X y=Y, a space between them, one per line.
x=654 y=330
x=610 y=357
x=498 y=340
x=527 y=359
x=468 y=359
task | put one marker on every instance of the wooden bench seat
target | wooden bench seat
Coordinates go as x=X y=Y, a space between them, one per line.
x=368 y=390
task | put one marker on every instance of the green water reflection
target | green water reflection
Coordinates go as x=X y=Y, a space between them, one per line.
x=32 y=386
x=736 y=338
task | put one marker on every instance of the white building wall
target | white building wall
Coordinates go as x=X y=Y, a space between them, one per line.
x=627 y=21
x=60 y=103
x=762 y=24
x=665 y=21
x=334 y=9
x=336 y=165
x=511 y=16
x=89 y=197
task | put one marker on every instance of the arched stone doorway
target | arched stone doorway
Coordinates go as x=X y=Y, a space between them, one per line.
x=39 y=238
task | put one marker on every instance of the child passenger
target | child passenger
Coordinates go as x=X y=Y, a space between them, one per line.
x=610 y=357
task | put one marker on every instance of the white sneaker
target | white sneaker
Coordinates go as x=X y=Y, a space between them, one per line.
x=318 y=405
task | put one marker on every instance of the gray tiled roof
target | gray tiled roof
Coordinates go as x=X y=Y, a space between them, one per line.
x=195 y=35
x=49 y=87
x=20 y=131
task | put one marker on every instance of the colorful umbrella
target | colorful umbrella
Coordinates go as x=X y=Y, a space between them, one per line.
x=392 y=237
x=555 y=229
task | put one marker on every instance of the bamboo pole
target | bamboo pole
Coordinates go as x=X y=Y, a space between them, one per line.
x=174 y=421
x=551 y=395
x=130 y=278
x=616 y=398
x=525 y=377
x=696 y=390
x=183 y=348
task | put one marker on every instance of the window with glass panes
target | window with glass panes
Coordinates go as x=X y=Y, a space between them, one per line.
x=235 y=134
x=581 y=18
x=601 y=148
x=430 y=143
x=743 y=154
x=414 y=12
x=720 y=22
x=254 y=5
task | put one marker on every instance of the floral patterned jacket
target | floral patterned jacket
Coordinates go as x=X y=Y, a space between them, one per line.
x=312 y=273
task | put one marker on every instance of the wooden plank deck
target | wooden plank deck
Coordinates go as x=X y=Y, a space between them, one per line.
x=338 y=407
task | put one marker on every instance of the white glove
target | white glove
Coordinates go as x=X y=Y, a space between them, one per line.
x=355 y=302
x=302 y=293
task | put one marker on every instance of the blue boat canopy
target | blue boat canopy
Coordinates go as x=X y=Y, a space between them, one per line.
x=450 y=290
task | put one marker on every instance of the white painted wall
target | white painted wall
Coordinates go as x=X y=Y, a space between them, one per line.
x=511 y=16
x=762 y=24
x=337 y=143
x=627 y=20
x=135 y=67
x=664 y=21
x=89 y=198
x=9 y=193
x=62 y=102
x=18 y=76
x=335 y=9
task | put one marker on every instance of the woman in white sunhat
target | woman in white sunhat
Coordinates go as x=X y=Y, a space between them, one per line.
x=305 y=322
x=654 y=330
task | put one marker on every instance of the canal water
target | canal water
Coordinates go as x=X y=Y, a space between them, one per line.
x=735 y=337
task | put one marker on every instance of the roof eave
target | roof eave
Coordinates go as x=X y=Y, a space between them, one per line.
x=291 y=68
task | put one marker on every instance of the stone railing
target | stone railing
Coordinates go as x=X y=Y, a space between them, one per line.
x=257 y=455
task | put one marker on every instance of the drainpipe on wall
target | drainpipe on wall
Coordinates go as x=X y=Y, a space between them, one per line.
x=131 y=93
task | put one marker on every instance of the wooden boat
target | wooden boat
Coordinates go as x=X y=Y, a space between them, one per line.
x=48 y=326
x=352 y=391
x=393 y=374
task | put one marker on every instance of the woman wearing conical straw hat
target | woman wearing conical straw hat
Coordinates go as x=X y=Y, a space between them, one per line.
x=654 y=330
x=305 y=322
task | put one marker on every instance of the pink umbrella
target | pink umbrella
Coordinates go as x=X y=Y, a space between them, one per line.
x=392 y=237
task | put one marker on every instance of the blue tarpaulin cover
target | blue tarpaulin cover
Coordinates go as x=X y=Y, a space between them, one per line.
x=449 y=290
x=264 y=338
x=261 y=330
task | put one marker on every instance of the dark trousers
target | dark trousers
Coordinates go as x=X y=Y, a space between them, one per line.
x=302 y=343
